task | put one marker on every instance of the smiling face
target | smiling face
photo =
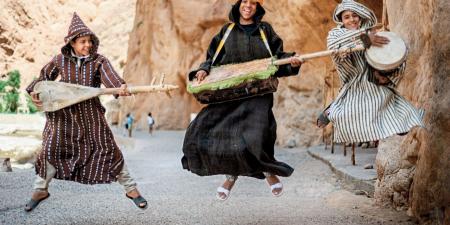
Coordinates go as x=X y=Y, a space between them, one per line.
x=247 y=9
x=82 y=45
x=351 y=20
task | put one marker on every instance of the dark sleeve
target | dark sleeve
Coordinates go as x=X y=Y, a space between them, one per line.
x=397 y=75
x=48 y=72
x=109 y=76
x=276 y=45
x=206 y=65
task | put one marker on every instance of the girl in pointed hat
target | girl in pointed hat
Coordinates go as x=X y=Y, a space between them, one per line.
x=77 y=144
x=237 y=138
x=367 y=108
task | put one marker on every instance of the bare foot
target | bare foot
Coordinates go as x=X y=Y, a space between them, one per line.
x=38 y=195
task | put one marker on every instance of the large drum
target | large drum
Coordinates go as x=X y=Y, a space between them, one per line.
x=388 y=57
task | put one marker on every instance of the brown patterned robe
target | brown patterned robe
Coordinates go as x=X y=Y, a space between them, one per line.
x=77 y=140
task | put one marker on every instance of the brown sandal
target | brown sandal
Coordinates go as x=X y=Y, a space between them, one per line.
x=32 y=204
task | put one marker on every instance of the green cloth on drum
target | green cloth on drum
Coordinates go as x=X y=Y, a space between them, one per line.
x=232 y=82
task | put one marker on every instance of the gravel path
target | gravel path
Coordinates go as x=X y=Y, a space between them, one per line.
x=313 y=195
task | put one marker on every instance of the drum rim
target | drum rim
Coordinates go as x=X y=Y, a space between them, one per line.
x=385 y=67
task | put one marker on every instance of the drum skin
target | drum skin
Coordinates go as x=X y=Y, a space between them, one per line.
x=388 y=57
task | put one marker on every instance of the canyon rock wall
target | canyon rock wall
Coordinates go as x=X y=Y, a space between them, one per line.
x=414 y=171
x=33 y=31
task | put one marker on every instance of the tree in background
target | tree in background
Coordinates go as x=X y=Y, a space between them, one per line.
x=31 y=105
x=9 y=90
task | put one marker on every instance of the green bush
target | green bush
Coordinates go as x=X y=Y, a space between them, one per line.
x=31 y=105
x=2 y=86
x=14 y=79
x=9 y=90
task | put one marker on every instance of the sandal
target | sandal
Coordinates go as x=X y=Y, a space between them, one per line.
x=138 y=201
x=323 y=119
x=222 y=190
x=32 y=204
x=226 y=192
x=278 y=185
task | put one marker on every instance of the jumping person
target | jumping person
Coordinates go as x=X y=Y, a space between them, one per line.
x=367 y=108
x=78 y=145
x=237 y=138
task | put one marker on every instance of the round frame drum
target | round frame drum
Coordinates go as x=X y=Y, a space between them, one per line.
x=388 y=57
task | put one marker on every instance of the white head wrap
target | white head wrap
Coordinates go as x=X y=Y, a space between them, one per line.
x=368 y=18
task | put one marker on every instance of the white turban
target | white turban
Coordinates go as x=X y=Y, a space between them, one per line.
x=368 y=18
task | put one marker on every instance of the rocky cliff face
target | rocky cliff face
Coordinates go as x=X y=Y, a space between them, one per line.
x=171 y=37
x=414 y=170
x=32 y=32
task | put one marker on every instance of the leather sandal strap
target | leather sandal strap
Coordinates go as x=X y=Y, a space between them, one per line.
x=277 y=185
x=223 y=190
x=138 y=201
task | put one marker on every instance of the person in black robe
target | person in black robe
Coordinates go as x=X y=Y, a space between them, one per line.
x=237 y=138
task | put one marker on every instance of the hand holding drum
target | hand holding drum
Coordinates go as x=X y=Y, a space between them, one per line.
x=200 y=75
x=388 y=51
x=377 y=40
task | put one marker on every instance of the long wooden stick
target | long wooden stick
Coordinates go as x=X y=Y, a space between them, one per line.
x=314 y=55
x=140 y=89
x=385 y=18
x=353 y=154
x=345 y=149
x=332 y=143
x=318 y=55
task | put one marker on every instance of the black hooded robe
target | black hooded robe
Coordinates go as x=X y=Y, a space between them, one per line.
x=238 y=137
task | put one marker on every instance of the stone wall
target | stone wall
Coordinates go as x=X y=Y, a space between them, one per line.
x=414 y=171
x=33 y=31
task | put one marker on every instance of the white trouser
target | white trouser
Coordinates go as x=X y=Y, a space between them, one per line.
x=124 y=178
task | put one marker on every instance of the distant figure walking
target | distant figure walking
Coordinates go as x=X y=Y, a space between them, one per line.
x=129 y=124
x=151 y=122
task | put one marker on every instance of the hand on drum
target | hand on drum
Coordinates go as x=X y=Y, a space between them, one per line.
x=377 y=40
x=200 y=75
x=35 y=99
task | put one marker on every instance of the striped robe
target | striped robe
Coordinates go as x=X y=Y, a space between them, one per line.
x=77 y=140
x=364 y=111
